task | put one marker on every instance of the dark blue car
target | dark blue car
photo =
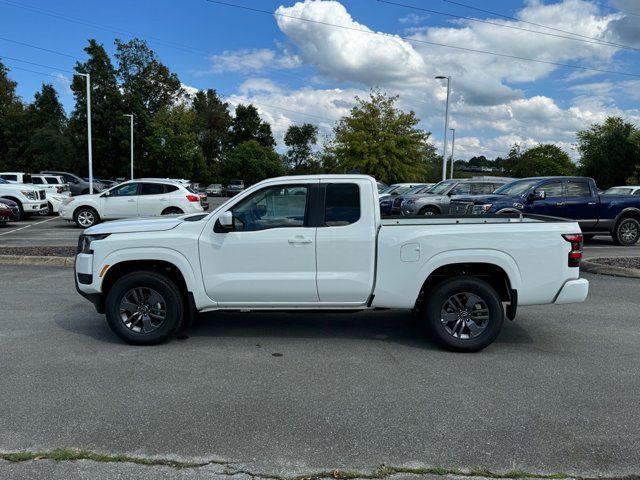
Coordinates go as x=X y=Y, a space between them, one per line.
x=576 y=198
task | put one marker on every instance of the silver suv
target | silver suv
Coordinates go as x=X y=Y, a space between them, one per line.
x=436 y=202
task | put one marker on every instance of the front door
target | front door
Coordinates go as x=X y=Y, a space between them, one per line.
x=581 y=204
x=269 y=256
x=122 y=202
x=554 y=202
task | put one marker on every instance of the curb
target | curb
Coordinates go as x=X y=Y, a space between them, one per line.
x=37 y=260
x=592 y=267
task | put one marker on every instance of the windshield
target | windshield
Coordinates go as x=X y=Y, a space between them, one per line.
x=618 y=191
x=417 y=190
x=441 y=187
x=516 y=188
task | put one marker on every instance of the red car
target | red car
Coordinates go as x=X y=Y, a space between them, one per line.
x=9 y=211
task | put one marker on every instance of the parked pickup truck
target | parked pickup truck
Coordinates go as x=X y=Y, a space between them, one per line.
x=574 y=198
x=29 y=199
x=319 y=243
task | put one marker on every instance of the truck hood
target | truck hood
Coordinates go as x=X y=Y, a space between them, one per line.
x=152 y=224
x=18 y=187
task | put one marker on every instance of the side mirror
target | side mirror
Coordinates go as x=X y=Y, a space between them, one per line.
x=106 y=194
x=539 y=195
x=226 y=219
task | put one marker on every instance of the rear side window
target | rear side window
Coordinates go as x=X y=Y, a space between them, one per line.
x=52 y=180
x=37 y=181
x=171 y=188
x=481 y=188
x=637 y=193
x=152 y=189
x=578 y=189
x=342 y=204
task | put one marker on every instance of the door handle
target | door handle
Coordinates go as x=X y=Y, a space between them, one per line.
x=299 y=240
x=560 y=204
x=132 y=200
x=591 y=203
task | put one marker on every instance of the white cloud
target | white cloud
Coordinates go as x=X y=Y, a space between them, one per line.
x=251 y=60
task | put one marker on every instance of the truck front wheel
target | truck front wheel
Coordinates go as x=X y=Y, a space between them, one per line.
x=144 y=308
x=627 y=232
x=464 y=314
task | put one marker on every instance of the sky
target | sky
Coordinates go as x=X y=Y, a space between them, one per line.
x=293 y=62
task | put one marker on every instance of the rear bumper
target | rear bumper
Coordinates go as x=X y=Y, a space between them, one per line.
x=574 y=291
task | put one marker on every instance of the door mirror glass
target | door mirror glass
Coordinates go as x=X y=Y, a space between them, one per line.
x=106 y=194
x=226 y=219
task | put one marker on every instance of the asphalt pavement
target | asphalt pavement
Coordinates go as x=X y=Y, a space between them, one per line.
x=298 y=393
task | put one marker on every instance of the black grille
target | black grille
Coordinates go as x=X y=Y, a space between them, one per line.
x=41 y=195
x=461 y=208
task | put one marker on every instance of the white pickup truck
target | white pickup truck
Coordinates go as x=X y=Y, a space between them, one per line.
x=318 y=243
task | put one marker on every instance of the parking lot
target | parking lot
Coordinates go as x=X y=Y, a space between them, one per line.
x=286 y=394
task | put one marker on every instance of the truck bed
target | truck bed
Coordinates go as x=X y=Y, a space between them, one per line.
x=468 y=219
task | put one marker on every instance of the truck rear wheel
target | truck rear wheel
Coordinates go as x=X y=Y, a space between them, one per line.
x=627 y=232
x=429 y=211
x=464 y=314
x=144 y=308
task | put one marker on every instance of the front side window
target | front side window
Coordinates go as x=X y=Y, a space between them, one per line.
x=481 y=188
x=461 y=189
x=37 y=181
x=552 y=190
x=578 y=189
x=272 y=207
x=637 y=193
x=11 y=178
x=342 y=204
x=152 y=189
x=124 y=190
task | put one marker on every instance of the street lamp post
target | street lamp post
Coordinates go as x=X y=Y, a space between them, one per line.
x=453 y=147
x=446 y=126
x=130 y=115
x=88 y=81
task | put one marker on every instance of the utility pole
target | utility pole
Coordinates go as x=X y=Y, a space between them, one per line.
x=446 y=126
x=453 y=147
x=130 y=115
x=88 y=80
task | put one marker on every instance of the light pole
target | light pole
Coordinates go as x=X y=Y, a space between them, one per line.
x=453 y=147
x=88 y=79
x=446 y=126
x=130 y=115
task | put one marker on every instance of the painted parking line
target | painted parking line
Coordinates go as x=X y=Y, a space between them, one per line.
x=27 y=226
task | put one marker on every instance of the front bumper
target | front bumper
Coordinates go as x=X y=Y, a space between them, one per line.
x=573 y=291
x=34 y=207
x=82 y=271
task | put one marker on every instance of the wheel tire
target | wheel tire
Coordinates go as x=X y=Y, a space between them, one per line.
x=85 y=217
x=438 y=304
x=168 y=295
x=429 y=211
x=626 y=232
x=172 y=211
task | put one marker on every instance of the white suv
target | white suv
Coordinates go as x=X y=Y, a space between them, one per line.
x=56 y=190
x=136 y=198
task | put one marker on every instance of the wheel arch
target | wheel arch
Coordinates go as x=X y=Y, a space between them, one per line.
x=430 y=205
x=629 y=212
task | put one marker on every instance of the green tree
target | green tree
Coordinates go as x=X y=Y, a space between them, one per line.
x=539 y=161
x=174 y=149
x=300 y=139
x=148 y=87
x=13 y=123
x=247 y=125
x=253 y=162
x=109 y=129
x=213 y=124
x=47 y=147
x=609 y=152
x=380 y=140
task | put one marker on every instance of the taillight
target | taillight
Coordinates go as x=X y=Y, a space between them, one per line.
x=575 y=255
x=58 y=189
x=193 y=198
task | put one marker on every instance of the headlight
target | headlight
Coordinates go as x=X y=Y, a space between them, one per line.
x=68 y=200
x=58 y=198
x=481 y=209
x=409 y=202
x=84 y=242
x=30 y=195
x=4 y=205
